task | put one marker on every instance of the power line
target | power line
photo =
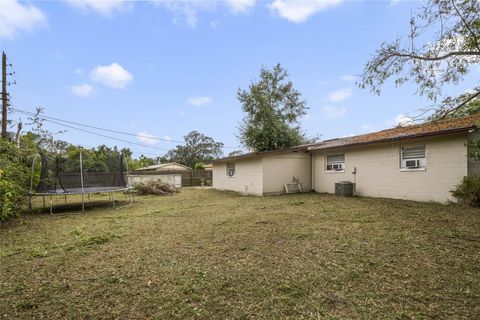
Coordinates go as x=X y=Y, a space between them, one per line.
x=95 y=127
x=105 y=136
x=105 y=129
x=86 y=146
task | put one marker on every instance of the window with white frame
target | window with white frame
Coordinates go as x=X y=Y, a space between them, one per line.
x=413 y=157
x=230 y=169
x=335 y=162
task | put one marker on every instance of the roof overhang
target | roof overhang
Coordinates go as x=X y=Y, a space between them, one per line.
x=398 y=138
x=260 y=154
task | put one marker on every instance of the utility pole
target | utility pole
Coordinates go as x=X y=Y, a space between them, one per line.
x=4 y=96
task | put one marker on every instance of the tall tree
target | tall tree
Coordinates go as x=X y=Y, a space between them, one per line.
x=198 y=148
x=442 y=46
x=272 y=110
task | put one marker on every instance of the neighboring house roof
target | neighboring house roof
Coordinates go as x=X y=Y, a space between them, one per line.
x=164 y=167
x=434 y=128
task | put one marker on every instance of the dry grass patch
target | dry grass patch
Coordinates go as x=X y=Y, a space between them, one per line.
x=216 y=255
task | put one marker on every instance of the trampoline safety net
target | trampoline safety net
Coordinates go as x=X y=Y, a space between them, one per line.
x=79 y=174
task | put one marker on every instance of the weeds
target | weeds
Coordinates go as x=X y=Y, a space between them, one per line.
x=209 y=254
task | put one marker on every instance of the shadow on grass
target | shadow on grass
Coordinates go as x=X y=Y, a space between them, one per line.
x=76 y=207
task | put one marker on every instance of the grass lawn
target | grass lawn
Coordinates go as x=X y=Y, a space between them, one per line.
x=215 y=255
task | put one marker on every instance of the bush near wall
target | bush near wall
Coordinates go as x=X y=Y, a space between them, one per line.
x=14 y=178
x=468 y=191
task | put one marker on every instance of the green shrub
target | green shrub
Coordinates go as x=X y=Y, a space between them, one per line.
x=15 y=166
x=468 y=191
x=199 y=166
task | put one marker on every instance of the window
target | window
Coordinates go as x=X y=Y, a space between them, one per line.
x=413 y=157
x=230 y=169
x=335 y=162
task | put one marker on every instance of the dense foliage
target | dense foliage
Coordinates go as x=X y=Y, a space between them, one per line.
x=272 y=110
x=199 y=166
x=197 y=148
x=15 y=167
x=468 y=191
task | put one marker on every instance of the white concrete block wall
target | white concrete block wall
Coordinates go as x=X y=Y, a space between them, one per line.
x=279 y=170
x=248 y=177
x=379 y=174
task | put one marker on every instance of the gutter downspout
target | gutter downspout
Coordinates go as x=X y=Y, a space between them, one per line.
x=312 y=157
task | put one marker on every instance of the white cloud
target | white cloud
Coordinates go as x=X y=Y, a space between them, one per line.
x=147 y=138
x=79 y=71
x=340 y=95
x=185 y=11
x=83 y=90
x=114 y=76
x=334 y=112
x=199 y=101
x=190 y=16
x=401 y=120
x=16 y=17
x=166 y=137
x=348 y=77
x=299 y=11
x=240 y=6
x=103 y=7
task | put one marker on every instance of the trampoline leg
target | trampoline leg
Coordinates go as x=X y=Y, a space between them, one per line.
x=88 y=195
x=29 y=203
x=113 y=201
x=83 y=204
x=51 y=205
x=65 y=198
x=43 y=202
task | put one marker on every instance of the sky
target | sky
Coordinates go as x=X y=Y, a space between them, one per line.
x=164 y=68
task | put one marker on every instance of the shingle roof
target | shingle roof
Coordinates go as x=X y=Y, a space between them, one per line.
x=404 y=132
x=398 y=133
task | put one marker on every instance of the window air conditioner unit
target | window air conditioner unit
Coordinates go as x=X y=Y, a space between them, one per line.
x=412 y=164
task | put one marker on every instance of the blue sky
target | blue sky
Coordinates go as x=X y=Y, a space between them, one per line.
x=164 y=68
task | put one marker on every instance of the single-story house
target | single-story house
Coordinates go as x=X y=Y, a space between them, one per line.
x=420 y=162
x=164 y=168
x=171 y=173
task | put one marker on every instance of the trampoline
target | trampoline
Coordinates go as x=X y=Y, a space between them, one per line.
x=78 y=174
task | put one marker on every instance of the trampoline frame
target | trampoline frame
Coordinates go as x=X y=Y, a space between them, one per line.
x=83 y=191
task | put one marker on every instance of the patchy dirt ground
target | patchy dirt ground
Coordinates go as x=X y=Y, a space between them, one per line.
x=215 y=255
